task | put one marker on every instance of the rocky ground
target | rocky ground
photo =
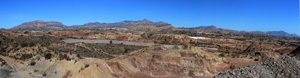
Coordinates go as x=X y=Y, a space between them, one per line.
x=154 y=62
x=179 y=53
x=286 y=67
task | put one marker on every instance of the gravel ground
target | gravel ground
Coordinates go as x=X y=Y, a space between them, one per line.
x=286 y=67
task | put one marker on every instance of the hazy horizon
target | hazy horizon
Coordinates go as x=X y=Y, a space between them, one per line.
x=248 y=15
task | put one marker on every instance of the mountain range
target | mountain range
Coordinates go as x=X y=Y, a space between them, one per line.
x=41 y=25
x=52 y=25
x=279 y=33
x=276 y=33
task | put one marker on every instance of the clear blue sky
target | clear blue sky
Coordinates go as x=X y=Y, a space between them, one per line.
x=249 y=15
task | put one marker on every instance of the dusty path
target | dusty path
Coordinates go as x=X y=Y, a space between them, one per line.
x=108 y=41
x=7 y=59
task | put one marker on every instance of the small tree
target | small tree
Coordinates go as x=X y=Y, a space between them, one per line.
x=48 y=56
x=126 y=50
x=26 y=56
x=31 y=44
x=26 y=32
x=24 y=44
x=110 y=41
x=231 y=67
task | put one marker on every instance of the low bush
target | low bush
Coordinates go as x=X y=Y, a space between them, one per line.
x=26 y=56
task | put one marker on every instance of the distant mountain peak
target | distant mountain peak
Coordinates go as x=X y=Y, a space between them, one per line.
x=140 y=21
x=39 y=25
x=145 y=20
x=92 y=23
x=96 y=22
x=37 y=21
x=210 y=27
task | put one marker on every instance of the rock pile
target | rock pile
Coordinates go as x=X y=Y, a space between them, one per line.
x=286 y=67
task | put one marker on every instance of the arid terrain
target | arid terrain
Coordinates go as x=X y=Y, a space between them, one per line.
x=143 y=49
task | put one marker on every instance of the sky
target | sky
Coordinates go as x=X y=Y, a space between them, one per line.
x=248 y=15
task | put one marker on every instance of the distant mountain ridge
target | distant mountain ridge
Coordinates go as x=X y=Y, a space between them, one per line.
x=211 y=27
x=41 y=25
x=52 y=25
x=276 y=33
x=96 y=25
x=279 y=33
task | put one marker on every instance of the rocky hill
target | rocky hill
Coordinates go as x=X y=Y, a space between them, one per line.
x=286 y=67
x=40 y=25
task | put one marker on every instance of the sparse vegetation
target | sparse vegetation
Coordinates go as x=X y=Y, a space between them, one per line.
x=26 y=56
x=48 y=56
x=32 y=63
x=175 y=51
x=44 y=74
x=231 y=67
x=110 y=41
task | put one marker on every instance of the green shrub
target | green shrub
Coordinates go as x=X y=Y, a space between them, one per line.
x=31 y=44
x=164 y=42
x=35 y=70
x=44 y=74
x=231 y=67
x=24 y=44
x=26 y=56
x=48 y=56
x=3 y=50
x=110 y=41
x=126 y=50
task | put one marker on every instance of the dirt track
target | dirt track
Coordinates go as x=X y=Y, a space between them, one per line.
x=108 y=41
